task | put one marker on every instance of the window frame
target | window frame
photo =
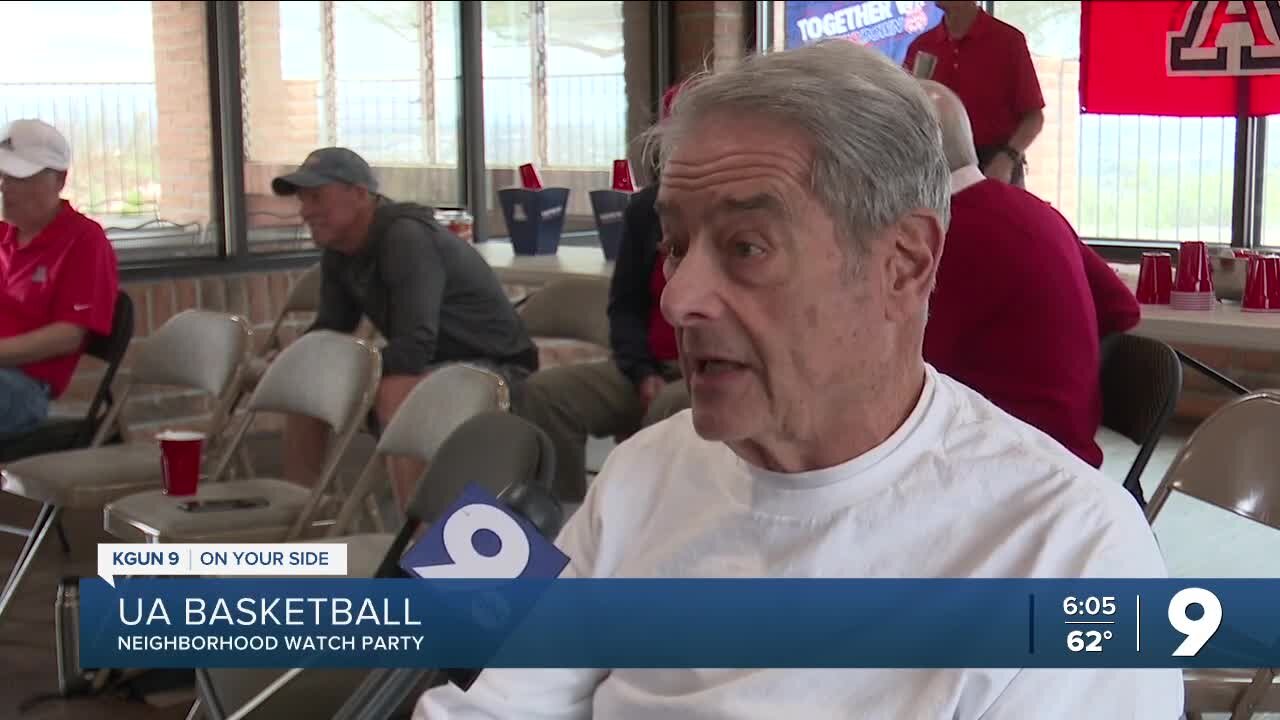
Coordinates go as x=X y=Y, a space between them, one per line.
x=1248 y=171
x=228 y=227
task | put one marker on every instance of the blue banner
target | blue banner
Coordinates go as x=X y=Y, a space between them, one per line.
x=281 y=623
x=887 y=26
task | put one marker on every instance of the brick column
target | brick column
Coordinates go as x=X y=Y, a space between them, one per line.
x=638 y=72
x=183 y=130
x=282 y=123
x=708 y=34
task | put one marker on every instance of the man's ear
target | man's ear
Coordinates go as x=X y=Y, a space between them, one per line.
x=915 y=249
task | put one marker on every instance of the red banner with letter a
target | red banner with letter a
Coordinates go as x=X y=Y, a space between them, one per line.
x=1181 y=58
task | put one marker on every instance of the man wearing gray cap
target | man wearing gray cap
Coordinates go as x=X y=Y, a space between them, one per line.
x=430 y=294
x=58 y=278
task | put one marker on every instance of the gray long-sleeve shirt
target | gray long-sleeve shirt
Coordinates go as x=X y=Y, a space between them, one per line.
x=429 y=293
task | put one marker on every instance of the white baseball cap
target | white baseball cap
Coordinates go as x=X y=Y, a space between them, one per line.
x=29 y=146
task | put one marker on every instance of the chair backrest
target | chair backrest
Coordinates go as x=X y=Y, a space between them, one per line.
x=304 y=297
x=570 y=307
x=1232 y=460
x=110 y=349
x=436 y=407
x=325 y=375
x=1141 y=380
x=197 y=349
x=495 y=450
x=500 y=452
x=440 y=403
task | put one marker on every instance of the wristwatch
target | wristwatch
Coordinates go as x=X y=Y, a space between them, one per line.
x=1014 y=155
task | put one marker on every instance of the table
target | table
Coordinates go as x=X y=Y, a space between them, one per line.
x=1224 y=326
x=541 y=269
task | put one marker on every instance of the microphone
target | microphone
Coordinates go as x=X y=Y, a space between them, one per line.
x=525 y=516
x=538 y=506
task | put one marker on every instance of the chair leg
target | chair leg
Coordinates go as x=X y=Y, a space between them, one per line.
x=62 y=537
x=48 y=516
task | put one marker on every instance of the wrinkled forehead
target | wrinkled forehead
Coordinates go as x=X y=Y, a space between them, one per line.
x=723 y=164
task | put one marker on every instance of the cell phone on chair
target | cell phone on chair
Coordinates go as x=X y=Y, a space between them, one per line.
x=205 y=506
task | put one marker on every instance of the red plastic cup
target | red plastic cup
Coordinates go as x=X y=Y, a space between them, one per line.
x=180 y=453
x=1195 y=275
x=622 y=181
x=529 y=177
x=1273 y=279
x=1155 y=278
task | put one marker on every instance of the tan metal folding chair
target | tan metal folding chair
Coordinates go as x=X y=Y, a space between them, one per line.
x=440 y=403
x=304 y=297
x=1232 y=461
x=571 y=308
x=195 y=349
x=329 y=376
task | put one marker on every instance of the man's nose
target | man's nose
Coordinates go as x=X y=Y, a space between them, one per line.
x=691 y=294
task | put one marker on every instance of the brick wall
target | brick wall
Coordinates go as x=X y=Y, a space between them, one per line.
x=183 y=128
x=281 y=119
x=708 y=34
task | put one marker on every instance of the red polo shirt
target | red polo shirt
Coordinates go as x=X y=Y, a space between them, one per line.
x=66 y=274
x=990 y=69
x=1017 y=312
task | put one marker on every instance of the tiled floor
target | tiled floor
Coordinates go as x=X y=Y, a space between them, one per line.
x=1197 y=540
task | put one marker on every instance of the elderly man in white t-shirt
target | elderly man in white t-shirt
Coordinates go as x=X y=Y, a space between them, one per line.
x=804 y=201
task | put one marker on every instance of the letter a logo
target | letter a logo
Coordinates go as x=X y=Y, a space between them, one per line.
x=1227 y=38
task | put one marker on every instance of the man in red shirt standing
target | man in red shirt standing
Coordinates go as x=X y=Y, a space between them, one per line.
x=1020 y=303
x=986 y=62
x=58 y=278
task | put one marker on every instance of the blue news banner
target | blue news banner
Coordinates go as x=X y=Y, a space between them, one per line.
x=526 y=616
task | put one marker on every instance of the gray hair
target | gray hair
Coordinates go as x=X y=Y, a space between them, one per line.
x=876 y=144
x=957 y=132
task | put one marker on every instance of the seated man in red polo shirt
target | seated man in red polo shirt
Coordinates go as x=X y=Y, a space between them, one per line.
x=986 y=62
x=58 y=278
x=1021 y=303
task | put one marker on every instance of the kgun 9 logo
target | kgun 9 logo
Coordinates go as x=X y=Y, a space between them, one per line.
x=479 y=538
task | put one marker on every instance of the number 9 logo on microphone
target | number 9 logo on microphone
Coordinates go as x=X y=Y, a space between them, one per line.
x=461 y=544
x=466 y=561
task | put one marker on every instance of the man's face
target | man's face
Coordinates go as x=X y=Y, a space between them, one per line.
x=947 y=6
x=29 y=201
x=774 y=323
x=331 y=212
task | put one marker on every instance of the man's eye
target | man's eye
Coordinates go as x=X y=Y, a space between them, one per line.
x=747 y=248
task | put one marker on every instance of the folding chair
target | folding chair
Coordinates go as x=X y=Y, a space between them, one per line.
x=438 y=405
x=570 y=308
x=1232 y=461
x=325 y=375
x=67 y=432
x=1141 y=380
x=304 y=297
x=196 y=349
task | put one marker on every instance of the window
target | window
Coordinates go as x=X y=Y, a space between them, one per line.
x=1271 y=185
x=127 y=84
x=562 y=85
x=1131 y=178
x=381 y=78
